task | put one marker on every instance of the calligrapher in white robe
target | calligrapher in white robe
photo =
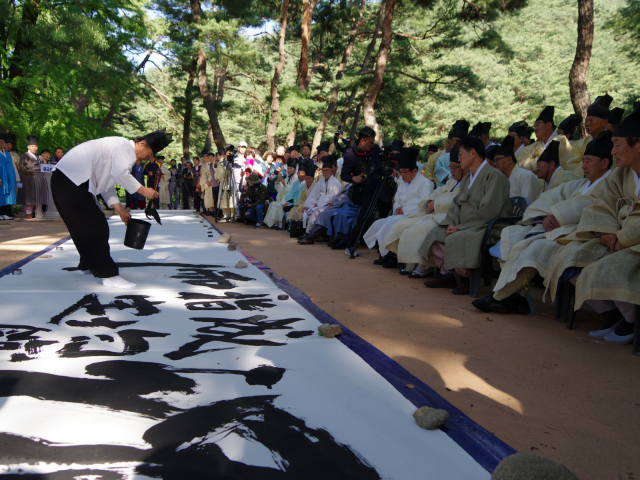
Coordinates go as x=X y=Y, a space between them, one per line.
x=408 y=197
x=321 y=195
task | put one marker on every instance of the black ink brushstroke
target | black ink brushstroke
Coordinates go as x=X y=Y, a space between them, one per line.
x=209 y=278
x=99 y=322
x=265 y=375
x=134 y=343
x=66 y=475
x=153 y=264
x=300 y=334
x=305 y=453
x=105 y=338
x=93 y=307
x=244 y=327
x=21 y=332
x=243 y=302
x=20 y=357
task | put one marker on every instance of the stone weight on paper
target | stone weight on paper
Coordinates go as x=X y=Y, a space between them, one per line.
x=431 y=418
x=224 y=238
x=328 y=330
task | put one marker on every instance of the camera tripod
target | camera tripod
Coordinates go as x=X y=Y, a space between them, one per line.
x=373 y=205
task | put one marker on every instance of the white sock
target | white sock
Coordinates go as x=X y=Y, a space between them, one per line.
x=419 y=270
x=117 y=282
x=84 y=272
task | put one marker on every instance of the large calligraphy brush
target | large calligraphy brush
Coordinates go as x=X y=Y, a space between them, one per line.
x=151 y=209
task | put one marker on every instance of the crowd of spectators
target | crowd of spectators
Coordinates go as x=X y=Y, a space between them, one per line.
x=576 y=225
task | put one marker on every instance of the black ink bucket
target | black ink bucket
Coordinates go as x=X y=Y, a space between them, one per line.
x=136 y=234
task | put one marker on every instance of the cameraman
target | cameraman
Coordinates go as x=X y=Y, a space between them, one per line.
x=361 y=167
x=338 y=136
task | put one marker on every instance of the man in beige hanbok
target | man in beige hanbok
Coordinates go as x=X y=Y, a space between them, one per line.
x=295 y=214
x=530 y=247
x=455 y=243
x=546 y=133
x=605 y=248
x=595 y=123
x=549 y=168
x=207 y=180
x=406 y=236
x=163 y=185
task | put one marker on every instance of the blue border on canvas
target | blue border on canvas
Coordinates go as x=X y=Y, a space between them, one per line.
x=24 y=261
x=485 y=448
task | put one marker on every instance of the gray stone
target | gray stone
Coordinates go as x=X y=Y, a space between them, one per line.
x=430 y=418
x=329 y=330
x=528 y=466
x=241 y=264
x=224 y=238
x=231 y=246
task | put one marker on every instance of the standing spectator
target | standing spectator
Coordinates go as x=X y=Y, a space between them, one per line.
x=58 y=154
x=187 y=185
x=197 y=169
x=8 y=146
x=7 y=182
x=152 y=170
x=45 y=156
x=137 y=199
x=174 y=187
x=163 y=186
x=29 y=164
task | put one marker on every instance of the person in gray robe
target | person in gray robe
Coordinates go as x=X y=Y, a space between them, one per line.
x=455 y=244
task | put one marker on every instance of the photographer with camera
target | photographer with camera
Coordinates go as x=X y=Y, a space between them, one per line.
x=338 y=136
x=187 y=184
x=362 y=167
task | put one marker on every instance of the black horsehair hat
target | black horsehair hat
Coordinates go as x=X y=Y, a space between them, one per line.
x=601 y=146
x=519 y=127
x=158 y=140
x=630 y=125
x=453 y=154
x=506 y=148
x=600 y=108
x=569 y=124
x=546 y=115
x=551 y=153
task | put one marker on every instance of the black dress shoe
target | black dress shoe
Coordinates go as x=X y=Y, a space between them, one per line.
x=382 y=260
x=302 y=236
x=404 y=271
x=483 y=303
x=393 y=263
x=339 y=246
x=443 y=281
x=308 y=240
x=427 y=273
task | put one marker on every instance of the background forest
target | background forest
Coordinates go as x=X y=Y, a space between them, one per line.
x=284 y=71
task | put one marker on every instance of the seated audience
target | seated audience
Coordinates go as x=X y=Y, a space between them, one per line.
x=257 y=198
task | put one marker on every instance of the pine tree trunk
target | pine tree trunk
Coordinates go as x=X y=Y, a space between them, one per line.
x=333 y=99
x=207 y=99
x=580 y=68
x=203 y=84
x=188 y=109
x=291 y=137
x=209 y=140
x=275 y=101
x=303 y=65
x=106 y=123
x=356 y=119
x=378 y=74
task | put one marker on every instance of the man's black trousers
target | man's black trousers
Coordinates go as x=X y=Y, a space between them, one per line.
x=86 y=223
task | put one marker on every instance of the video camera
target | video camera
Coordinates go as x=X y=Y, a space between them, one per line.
x=339 y=130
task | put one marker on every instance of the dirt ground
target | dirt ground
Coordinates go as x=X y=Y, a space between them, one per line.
x=536 y=385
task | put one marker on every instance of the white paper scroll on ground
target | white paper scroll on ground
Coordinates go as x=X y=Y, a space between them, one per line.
x=198 y=372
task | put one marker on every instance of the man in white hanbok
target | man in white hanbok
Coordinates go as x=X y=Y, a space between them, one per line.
x=413 y=190
x=324 y=190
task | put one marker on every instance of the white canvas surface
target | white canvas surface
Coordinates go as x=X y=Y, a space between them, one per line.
x=324 y=385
